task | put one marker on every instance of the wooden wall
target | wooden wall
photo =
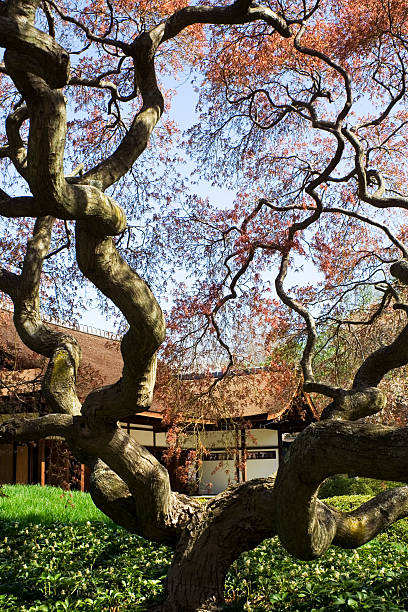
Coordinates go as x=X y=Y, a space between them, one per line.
x=6 y=463
x=49 y=462
x=22 y=464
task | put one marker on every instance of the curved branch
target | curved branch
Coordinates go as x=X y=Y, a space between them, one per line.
x=394 y=100
x=39 y=86
x=359 y=526
x=382 y=361
x=364 y=177
x=158 y=514
x=307 y=526
x=339 y=69
x=146 y=478
x=364 y=219
x=310 y=189
x=62 y=349
x=45 y=172
x=88 y=33
x=26 y=430
x=306 y=361
x=18 y=152
x=111 y=495
x=238 y=12
x=38 y=52
x=353 y=404
x=99 y=83
x=9 y=283
x=99 y=261
x=23 y=206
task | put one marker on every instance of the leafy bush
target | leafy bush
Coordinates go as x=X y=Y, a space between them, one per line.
x=341 y=484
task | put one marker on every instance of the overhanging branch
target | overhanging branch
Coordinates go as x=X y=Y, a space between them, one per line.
x=306 y=526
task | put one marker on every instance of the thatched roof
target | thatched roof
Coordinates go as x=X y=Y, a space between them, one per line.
x=258 y=394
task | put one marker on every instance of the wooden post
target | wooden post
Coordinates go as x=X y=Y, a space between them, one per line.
x=244 y=455
x=41 y=460
x=280 y=445
x=82 y=477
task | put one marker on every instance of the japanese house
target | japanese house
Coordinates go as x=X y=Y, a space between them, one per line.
x=242 y=428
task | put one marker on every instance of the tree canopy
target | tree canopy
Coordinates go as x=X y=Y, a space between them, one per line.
x=302 y=117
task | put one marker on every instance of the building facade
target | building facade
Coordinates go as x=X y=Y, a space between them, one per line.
x=244 y=435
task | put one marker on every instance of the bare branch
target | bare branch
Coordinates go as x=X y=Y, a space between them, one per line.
x=142 y=51
x=364 y=176
x=88 y=33
x=339 y=69
x=25 y=430
x=50 y=19
x=370 y=221
x=64 y=246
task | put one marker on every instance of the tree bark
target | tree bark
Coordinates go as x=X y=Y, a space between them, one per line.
x=236 y=520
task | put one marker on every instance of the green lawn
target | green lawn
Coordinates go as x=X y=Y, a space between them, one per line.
x=47 y=505
x=55 y=556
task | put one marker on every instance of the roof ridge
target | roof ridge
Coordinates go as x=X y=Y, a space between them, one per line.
x=85 y=329
x=221 y=374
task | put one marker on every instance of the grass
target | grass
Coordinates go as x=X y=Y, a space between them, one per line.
x=57 y=557
x=47 y=505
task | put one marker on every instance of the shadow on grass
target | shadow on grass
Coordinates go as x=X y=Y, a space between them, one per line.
x=40 y=518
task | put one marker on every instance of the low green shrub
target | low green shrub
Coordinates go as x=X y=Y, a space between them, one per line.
x=341 y=484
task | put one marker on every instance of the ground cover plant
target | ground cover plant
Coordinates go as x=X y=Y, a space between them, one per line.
x=80 y=564
x=57 y=554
